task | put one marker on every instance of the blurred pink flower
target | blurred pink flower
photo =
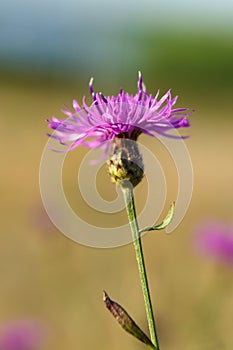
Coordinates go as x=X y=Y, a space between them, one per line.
x=215 y=239
x=21 y=335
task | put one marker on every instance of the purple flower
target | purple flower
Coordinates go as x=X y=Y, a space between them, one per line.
x=123 y=116
x=216 y=239
x=21 y=335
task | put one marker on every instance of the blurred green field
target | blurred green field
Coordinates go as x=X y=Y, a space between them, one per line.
x=47 y=276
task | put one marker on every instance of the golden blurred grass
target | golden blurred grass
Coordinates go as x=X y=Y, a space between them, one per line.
x=47 y=276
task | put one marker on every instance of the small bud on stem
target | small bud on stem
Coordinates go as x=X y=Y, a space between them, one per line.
x=125 y=162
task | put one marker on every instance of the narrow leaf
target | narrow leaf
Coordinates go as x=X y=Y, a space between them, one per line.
x=164 y=223
x=126 y=322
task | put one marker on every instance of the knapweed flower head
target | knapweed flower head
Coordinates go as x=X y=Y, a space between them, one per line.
x=111 y=118
x=215 y=239
x=21 y=335
x=124 y=116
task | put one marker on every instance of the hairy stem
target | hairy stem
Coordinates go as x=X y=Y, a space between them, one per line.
x=130 y=207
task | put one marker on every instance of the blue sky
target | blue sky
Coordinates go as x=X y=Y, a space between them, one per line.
x=60 y=30
x=94 y=12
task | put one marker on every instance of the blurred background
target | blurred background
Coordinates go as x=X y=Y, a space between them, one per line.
x=48 y=52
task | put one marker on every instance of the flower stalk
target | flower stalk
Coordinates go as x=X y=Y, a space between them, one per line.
x=127 y=189
x=114 y=123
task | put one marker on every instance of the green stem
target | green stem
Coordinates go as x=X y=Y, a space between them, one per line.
x=131 y=211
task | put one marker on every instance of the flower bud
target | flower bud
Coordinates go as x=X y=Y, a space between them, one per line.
x=125 y=161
